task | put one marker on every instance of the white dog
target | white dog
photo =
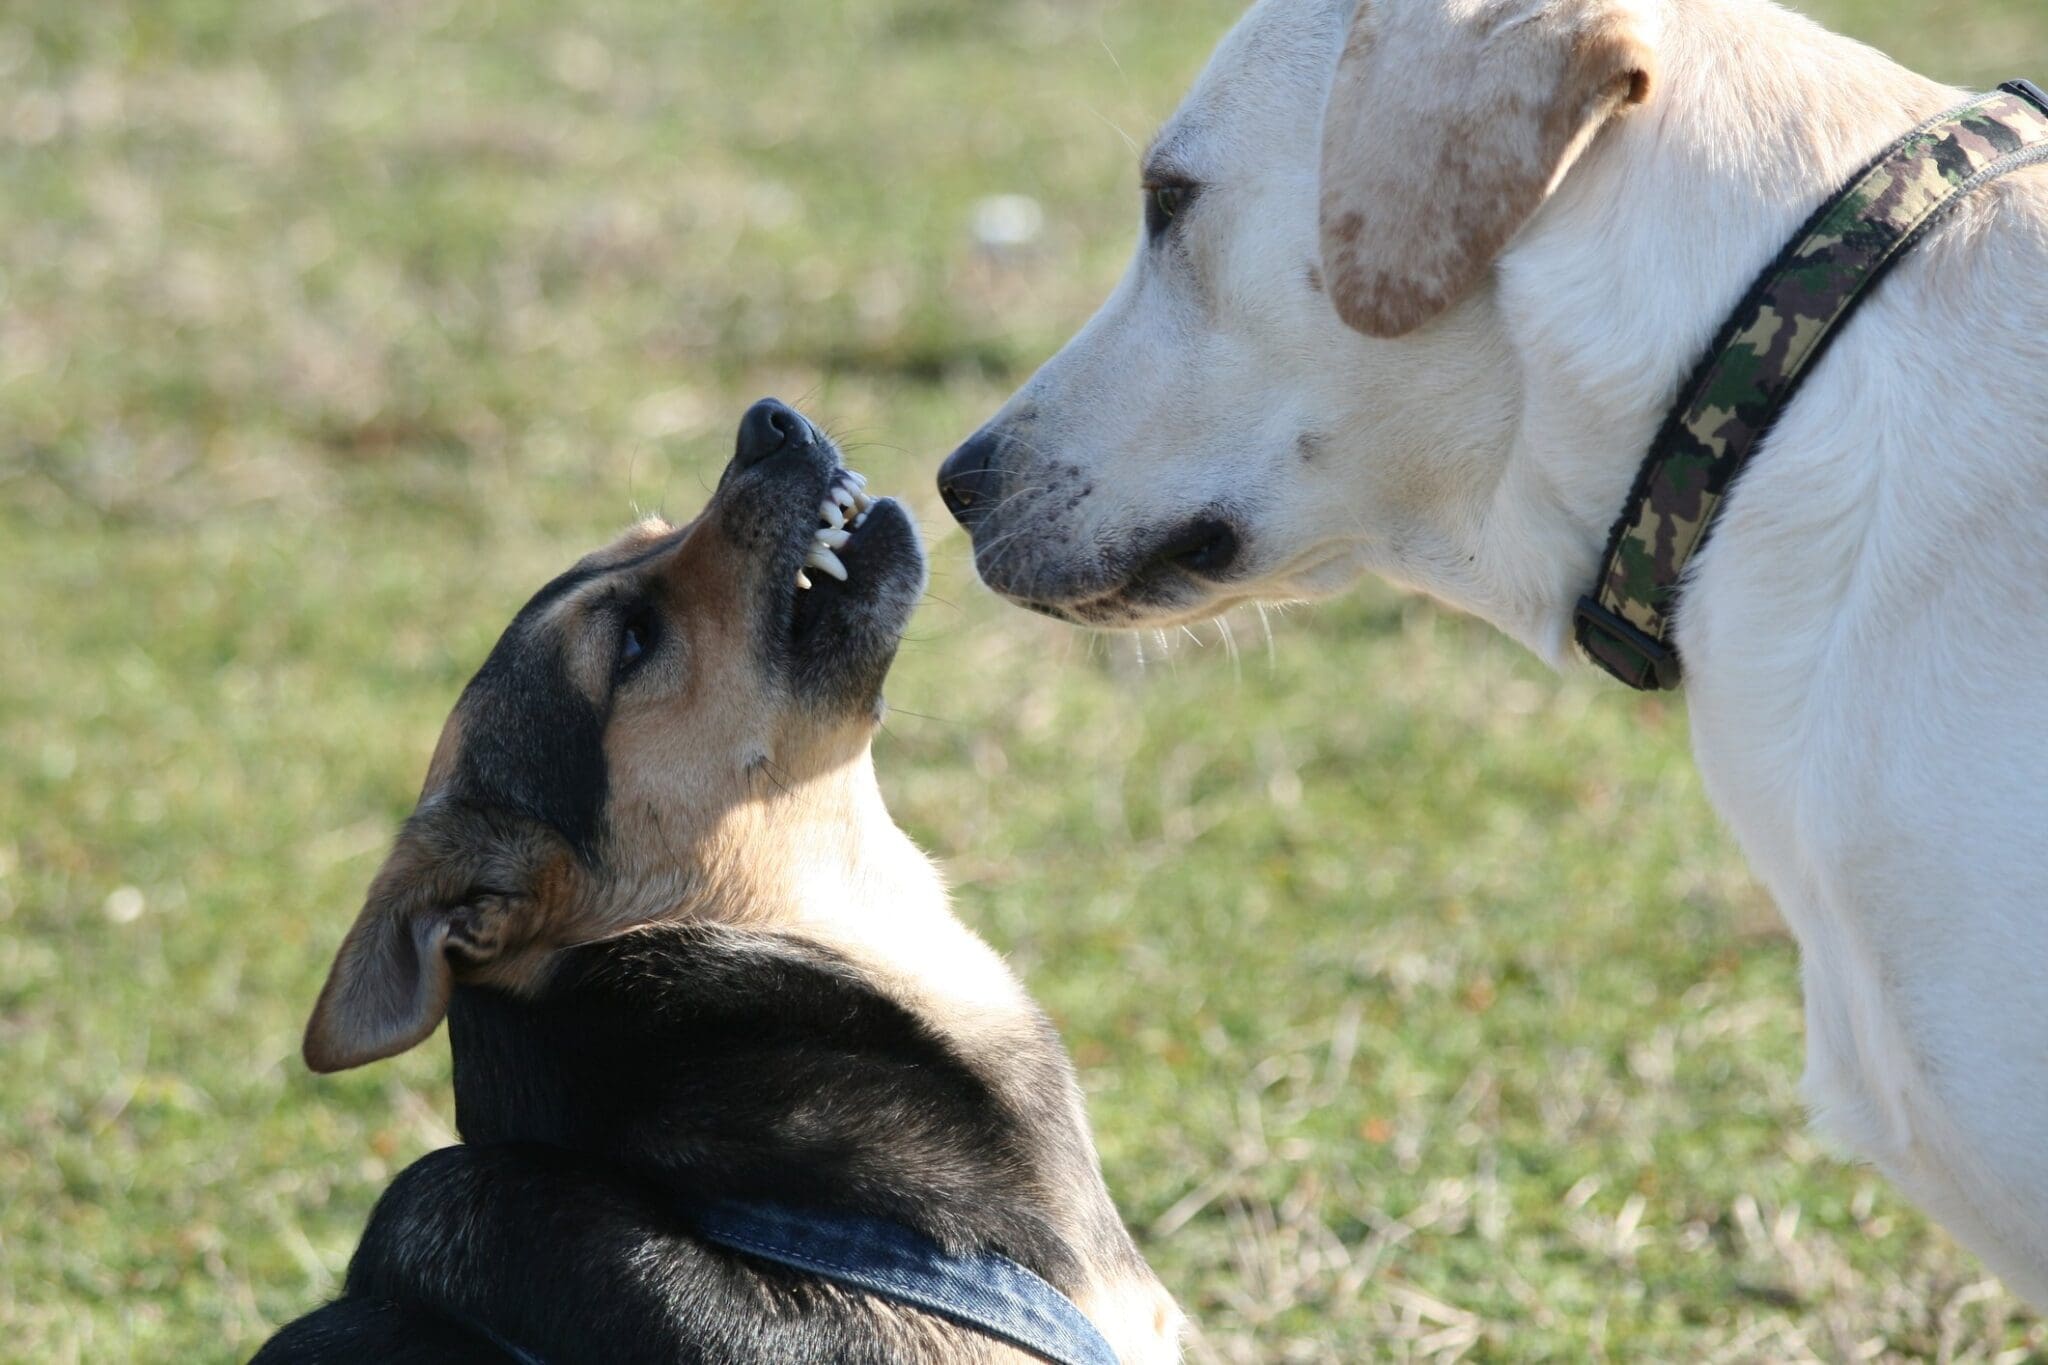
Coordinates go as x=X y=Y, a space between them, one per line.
x=1563 y=200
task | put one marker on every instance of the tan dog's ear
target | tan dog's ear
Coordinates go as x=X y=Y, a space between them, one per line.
x=1449 y=123
x=459 y=883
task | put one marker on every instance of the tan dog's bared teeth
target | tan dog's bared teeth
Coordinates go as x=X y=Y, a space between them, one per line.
x=843 y=508
x=825 y=561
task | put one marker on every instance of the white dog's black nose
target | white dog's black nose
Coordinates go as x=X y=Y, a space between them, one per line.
x=769 y=427
x=968 y=480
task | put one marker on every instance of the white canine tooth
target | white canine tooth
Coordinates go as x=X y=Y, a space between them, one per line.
x=855 y=477
x=832 y=539
x=863 y=501
x=859 y=519
x=823 y=559
x=843 y=497
x=833 y=517
x=803 y=580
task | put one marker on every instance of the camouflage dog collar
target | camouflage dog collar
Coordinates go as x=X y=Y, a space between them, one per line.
x=1767 y=347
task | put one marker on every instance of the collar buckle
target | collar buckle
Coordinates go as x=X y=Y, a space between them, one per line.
x=1617 y=645
x=2028 y=91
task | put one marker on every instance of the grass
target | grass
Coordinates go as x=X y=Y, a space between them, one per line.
x=1425 y=1010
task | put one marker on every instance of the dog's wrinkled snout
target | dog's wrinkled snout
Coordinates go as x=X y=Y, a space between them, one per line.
x=968 y=479
x=768 y=428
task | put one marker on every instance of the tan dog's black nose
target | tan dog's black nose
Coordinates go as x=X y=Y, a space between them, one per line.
x=968 y=479
x=770 y=427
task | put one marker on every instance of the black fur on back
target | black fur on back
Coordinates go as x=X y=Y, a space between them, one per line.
x=354 y=1331
x=700 y=1061
x=746 y=1064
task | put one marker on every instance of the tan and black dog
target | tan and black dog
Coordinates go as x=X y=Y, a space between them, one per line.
x=686 y=955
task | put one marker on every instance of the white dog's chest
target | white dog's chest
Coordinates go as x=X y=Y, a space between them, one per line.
x=1867 y=644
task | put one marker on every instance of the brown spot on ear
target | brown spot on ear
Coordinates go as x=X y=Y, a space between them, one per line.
x=1445 y=131
x=1384 y=305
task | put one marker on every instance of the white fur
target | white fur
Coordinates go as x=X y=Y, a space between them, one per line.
x=1866 y=637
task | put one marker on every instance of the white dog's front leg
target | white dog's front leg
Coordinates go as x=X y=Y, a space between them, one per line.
x=1931 y=1134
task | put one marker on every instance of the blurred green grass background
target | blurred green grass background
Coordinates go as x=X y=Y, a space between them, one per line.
x=1425 y=1010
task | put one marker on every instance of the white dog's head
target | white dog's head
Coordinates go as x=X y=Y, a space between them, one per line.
x=1236 y=424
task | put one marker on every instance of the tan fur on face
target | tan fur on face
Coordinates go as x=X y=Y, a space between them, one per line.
x=487 y=896
x=727 y=799
x=1448 y=124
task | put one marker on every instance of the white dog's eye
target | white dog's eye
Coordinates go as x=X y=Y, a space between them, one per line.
x=1164 y=203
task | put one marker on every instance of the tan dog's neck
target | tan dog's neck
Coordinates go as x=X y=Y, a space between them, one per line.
x=822 y=858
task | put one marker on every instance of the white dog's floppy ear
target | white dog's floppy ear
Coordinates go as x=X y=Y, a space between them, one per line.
x=459 y=882
x=1449 y=123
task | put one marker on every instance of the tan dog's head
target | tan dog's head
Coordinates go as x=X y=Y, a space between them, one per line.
x=1236 y=423
x=637 y=738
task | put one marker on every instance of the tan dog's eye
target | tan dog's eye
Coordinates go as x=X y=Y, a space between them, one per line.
x=1164 y=203
x=639 y=632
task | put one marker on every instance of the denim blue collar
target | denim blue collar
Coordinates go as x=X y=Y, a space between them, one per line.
x=991 y=1294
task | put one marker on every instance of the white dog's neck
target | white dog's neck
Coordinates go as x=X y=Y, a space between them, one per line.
x=1714 y=193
